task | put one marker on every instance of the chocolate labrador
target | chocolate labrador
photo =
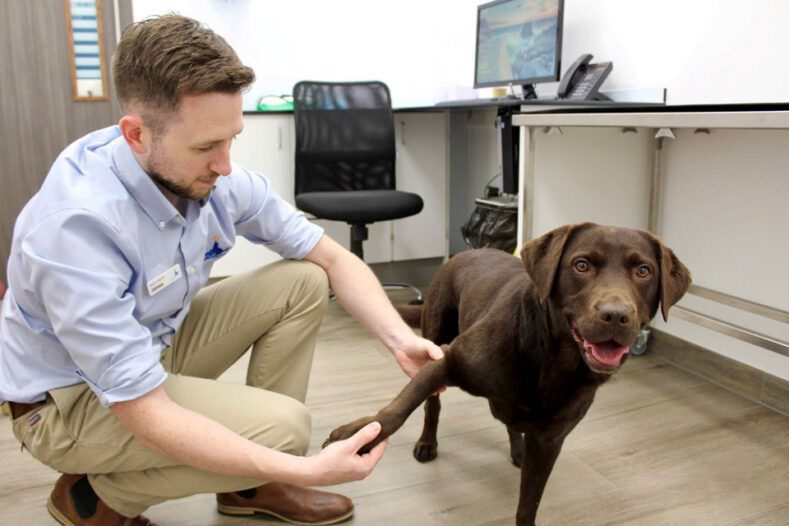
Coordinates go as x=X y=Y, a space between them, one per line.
x=535 y=337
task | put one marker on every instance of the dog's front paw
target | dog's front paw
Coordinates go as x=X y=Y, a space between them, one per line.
x=348 y=430
x=425 y=451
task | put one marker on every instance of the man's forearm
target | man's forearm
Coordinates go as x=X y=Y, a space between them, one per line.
x=361 y=294
x=197 y=441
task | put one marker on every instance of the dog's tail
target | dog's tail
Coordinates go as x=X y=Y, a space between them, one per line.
x=411 y=314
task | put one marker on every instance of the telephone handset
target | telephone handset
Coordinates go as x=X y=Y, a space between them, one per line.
x=582 y=80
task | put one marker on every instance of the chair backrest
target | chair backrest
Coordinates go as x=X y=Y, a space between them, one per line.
x=345 y=137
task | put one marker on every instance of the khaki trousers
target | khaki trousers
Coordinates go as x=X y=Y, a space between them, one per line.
x=277 y=310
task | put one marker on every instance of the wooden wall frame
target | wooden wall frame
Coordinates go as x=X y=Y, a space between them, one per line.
x=86 y=50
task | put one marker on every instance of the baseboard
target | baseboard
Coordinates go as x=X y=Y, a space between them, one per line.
x=754 y=384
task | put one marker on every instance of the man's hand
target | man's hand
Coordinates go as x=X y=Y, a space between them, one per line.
x=341 y=462
x=414 y=352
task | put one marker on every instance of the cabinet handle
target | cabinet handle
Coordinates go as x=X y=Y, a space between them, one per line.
x=279 y=137
x=402 y=133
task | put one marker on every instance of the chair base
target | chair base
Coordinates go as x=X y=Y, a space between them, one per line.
x=359 y=234
x=419 y=300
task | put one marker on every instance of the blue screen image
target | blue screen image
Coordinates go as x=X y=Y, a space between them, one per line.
x=517 y=40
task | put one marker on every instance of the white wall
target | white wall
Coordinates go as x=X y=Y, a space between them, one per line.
x=419 y=48
x=703 y=51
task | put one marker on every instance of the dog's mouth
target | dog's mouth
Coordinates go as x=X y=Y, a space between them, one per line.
x=601 y=357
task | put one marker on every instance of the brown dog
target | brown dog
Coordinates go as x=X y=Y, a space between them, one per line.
x=536 y=342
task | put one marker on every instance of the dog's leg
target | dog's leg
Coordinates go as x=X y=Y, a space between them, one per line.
x=516 y=446
x=431 y=377
x=426 y=448
x=540 y=453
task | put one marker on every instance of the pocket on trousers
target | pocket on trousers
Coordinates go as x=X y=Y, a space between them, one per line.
x=43 y=434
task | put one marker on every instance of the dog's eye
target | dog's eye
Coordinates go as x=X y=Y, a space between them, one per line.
x=644 y=271
x=582 y=265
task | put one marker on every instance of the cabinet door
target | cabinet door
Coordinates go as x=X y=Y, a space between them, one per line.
x=264 y=146
x=422 y=169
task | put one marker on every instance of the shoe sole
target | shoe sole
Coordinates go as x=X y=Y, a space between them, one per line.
x=234 y=510
x=62 y=519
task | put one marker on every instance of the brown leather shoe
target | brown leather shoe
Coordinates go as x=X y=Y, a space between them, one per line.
x=292 y=504
x=73 y=503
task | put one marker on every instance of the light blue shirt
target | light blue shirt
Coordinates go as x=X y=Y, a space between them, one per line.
x=103 y=268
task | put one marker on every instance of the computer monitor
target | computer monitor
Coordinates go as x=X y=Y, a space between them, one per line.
x=518 y=42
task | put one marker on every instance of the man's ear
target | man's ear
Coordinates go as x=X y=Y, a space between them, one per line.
x=674 y=276
x=541 y=257
x=131 y=128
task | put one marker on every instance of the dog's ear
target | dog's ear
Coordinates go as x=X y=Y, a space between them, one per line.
x=541 y=257
x=674 y=276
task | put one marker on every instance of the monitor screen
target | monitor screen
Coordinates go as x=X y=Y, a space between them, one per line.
x=518 y=42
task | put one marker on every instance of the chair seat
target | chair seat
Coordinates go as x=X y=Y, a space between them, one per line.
x=360 y=206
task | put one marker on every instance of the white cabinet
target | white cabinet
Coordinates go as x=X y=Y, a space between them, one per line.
x=422 y=140
x=267 y=145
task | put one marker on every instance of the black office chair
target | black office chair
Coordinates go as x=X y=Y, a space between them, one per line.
x=345 y=158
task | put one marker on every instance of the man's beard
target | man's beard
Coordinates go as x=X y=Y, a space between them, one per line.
x=155 y=168
x=174 y=188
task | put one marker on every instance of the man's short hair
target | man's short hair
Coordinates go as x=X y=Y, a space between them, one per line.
x=161 y=59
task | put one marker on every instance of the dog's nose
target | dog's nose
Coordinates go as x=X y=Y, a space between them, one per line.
x=615 y=314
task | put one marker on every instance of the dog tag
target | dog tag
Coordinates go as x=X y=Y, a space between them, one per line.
x=165 y=279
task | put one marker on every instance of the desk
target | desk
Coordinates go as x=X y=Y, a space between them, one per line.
x=664 y=124
x=660 y=119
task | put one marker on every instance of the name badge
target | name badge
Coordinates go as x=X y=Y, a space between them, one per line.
x=165 y=279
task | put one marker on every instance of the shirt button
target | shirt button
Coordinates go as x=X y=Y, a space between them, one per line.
x=161 y=224
x=191 y=270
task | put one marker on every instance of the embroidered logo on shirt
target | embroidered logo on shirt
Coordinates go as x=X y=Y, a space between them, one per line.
x=215 y=251
x=33 y=420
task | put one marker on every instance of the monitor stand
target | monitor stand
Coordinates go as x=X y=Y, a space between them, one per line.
x=528 y=92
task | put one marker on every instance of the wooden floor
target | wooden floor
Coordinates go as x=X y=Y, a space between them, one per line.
x=658 y=447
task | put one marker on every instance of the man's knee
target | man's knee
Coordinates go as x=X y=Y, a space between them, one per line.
x=316 y=282
x=304 y=278
x=288 y=426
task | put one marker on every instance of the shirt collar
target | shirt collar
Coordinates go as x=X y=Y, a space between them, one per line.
x=139 y=184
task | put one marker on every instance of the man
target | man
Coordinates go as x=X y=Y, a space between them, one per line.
x=103 y=303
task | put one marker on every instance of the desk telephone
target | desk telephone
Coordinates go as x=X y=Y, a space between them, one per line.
x=582 y=80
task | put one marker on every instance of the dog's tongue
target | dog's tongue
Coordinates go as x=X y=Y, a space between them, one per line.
x=608 y=353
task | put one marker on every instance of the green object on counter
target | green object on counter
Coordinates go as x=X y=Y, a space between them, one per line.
x=275 y=103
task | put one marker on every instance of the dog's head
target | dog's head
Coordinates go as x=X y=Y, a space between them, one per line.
x=607 y=283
